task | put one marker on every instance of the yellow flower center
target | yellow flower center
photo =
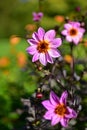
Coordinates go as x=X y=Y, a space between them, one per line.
x=43 y=46
x=73 y=32
x=60 y=109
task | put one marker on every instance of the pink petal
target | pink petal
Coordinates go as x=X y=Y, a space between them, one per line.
x=80 y=35
x=48 y=115
x=40 y=14
x=64 y=121
x=49 y=35
x=31 y=50
x=54 y=98
x=55 y=119
x=35 y=57
x=64 y=32
x=76 y=40
x=63 y=97
x=75 y=24
x=67 y=26
x=41 y=33
x=82 y=30
x=69 y=38
x=34 y=14
x=71 y=113
x=69 y=116
x=53 y=52
x=48 y=105
x=49 y=58
x=32 y=41
x=35 y=37
x=43 y=59
x=56 y=43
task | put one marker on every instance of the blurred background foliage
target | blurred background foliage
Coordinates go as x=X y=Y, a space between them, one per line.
x=15 y=15
x=17 y=74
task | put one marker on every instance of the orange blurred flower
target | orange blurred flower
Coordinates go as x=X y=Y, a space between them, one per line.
x=68 y=59
x=59 y=18
x=22 y=59
x=85 y=43
x=4 y=62
x=6 y=72
x=14 y=40
x=30 y=27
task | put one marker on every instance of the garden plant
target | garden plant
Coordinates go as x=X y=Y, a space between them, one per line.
x=43 y=65
x=57 y=102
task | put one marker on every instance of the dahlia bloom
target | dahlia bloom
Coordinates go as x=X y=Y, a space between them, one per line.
x=73 y=32
x=44 y=46
x=57 y=110
x=37 y=16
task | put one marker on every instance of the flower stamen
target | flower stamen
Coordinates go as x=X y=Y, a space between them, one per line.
x=73 y=32
x=60 y=109
x=43 y=47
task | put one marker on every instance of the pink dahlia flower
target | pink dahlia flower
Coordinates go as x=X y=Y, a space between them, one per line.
x=73 y=32
x=57 y=110
x=44 y=46
x=37 y=16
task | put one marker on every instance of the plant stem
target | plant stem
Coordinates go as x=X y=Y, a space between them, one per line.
x=40 y=6
x=72 y=63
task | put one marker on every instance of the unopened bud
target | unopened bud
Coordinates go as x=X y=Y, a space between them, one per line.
x=39 y=68
x=67 y=19
x=39 y=95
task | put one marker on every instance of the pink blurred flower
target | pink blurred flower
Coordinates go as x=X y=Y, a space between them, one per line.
x=73 y=32
x=57 y=110
x=37 y=16
x=44 y=46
